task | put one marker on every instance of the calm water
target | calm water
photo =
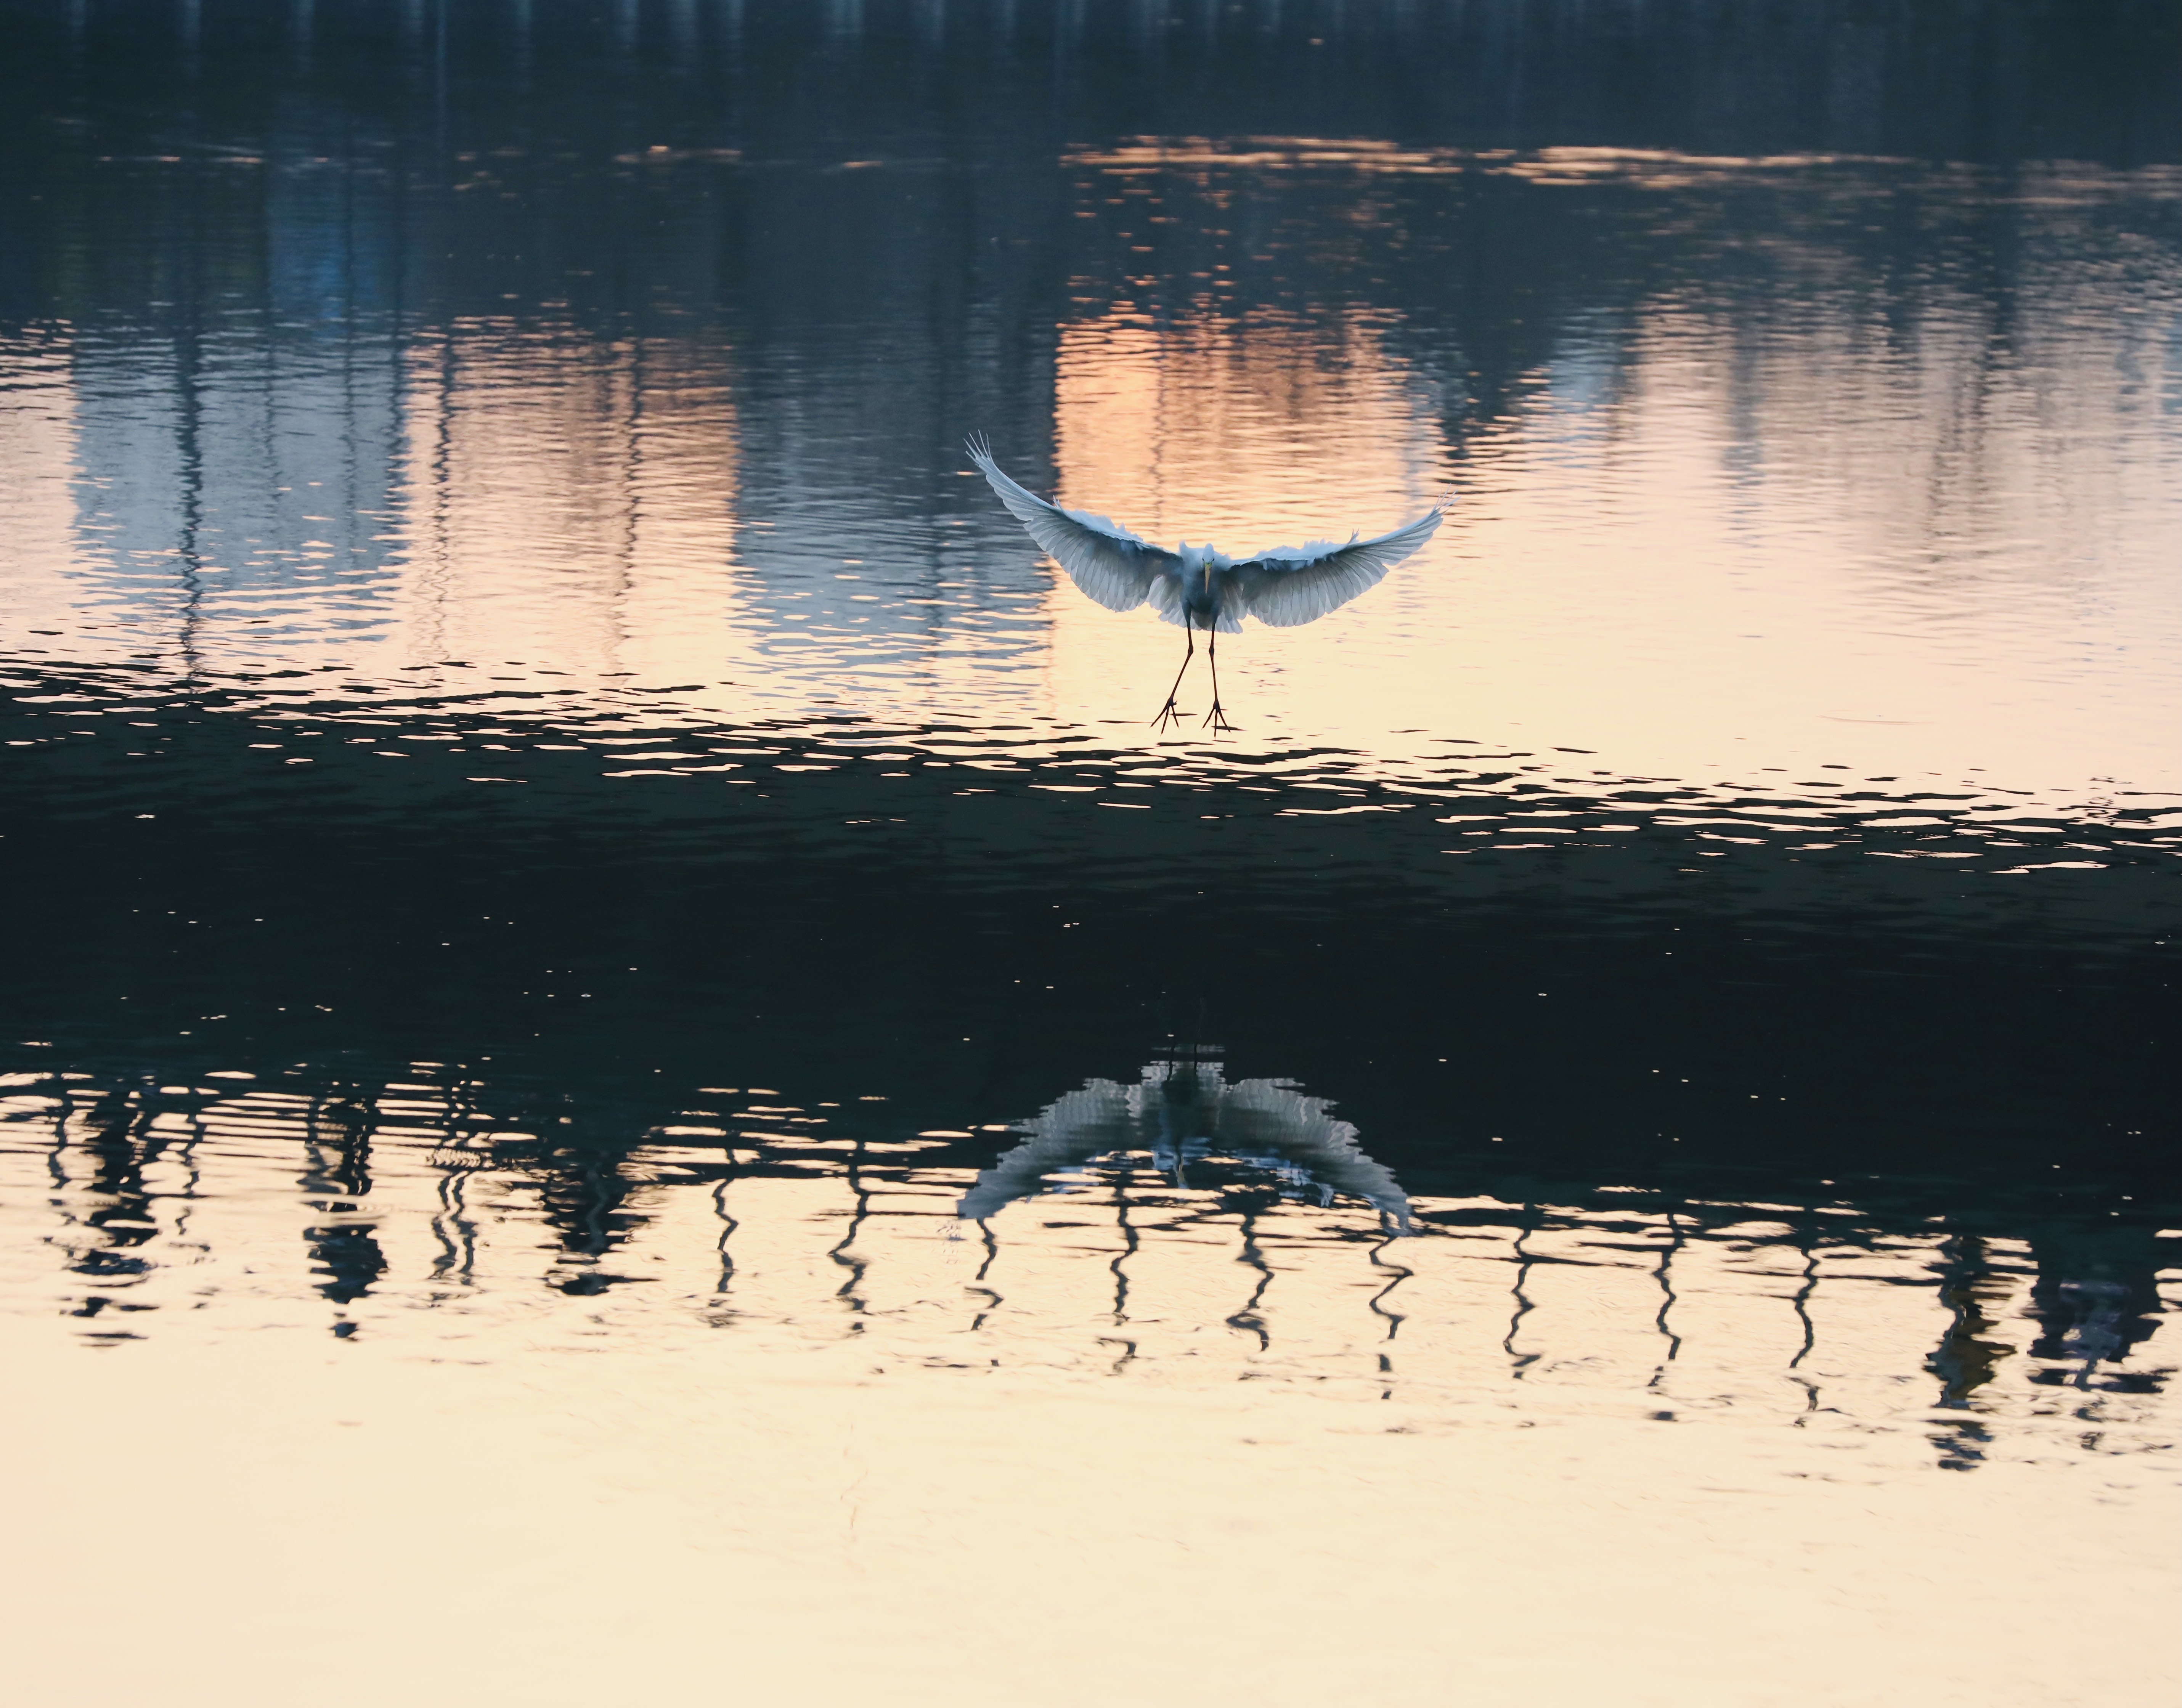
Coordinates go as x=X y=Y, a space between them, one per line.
x=628 y=1068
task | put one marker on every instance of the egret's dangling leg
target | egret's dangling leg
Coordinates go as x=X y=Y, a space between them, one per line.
x=1215 y=717
x=1167 y=713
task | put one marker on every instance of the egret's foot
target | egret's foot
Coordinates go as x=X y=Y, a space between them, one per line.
x=1218 y=720
x=1167 y=718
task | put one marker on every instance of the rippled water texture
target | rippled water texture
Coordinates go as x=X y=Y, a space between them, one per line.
x=628 y=1069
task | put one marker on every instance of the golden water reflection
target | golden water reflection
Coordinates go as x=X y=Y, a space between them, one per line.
x=750 y=1373
x=1703 y=530
x=1186 y=1229
x=1923 y=537
x=501 y=478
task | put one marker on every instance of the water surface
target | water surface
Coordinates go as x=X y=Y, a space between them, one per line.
x=589 y=914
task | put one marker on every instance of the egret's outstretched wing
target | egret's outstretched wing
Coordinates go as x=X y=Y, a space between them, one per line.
x=1112 y=565
x=1293 y=584
x=1071 y=1129
x=1271 y=1116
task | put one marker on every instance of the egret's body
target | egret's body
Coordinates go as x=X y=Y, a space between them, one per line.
x=1199 y=586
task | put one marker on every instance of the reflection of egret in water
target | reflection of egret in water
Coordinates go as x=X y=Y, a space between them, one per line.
x=1199 y=586
x=1184 y=1111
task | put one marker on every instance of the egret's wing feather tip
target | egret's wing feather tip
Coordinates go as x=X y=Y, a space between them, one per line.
x=1112 y=566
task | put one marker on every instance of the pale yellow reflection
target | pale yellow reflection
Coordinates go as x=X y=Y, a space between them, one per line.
x=38 y=545
x=1810 y=539
x=726 y=1526
x=1187 y=1227
x=884 y=1455
x=1146 y=155
x=1370 y=156
x=1698 y=541
x=571 y=510
x=1827 y=583
x=569 y=503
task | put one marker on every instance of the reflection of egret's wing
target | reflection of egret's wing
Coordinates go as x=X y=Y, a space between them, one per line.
x=1082 y=1124
x=1112 y=565
x=1269 y=1116
x=1180 y=1111
x=1293 y=584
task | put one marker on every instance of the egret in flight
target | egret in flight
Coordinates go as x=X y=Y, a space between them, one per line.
x=1199 y=586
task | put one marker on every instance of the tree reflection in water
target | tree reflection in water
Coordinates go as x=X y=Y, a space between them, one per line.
x=803 y=1221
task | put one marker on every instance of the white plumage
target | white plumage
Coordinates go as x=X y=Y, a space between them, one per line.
x=1186 y=1111
x=1199 y=586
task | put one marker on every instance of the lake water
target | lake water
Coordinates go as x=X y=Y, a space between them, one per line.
x=1616 y=1138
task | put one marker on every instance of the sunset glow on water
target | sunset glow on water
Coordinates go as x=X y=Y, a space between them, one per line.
x=632 y=1069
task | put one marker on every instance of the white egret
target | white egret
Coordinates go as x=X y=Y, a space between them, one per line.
x=1184 y=1111
x=1195 y=586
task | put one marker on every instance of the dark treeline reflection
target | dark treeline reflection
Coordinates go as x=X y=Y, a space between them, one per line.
x=1895 y=970
x=1110 y=1229
x=1986 y=80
